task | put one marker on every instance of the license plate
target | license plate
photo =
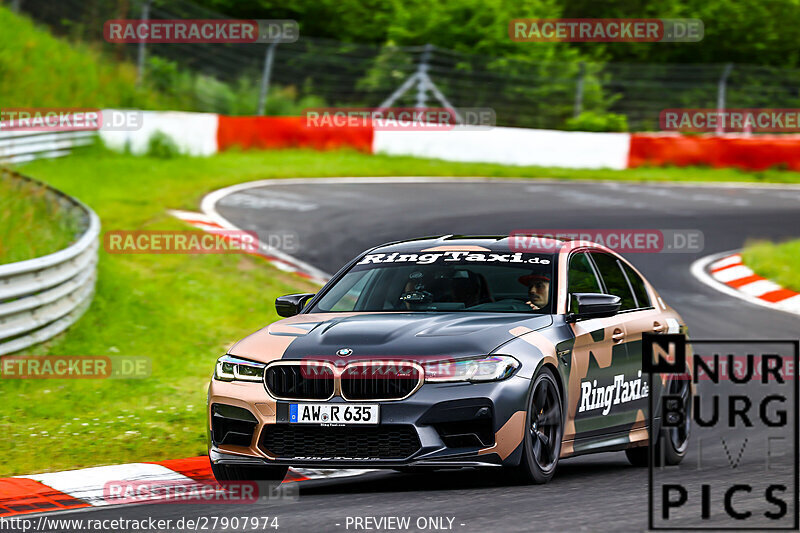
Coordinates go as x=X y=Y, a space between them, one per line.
x=339 y=414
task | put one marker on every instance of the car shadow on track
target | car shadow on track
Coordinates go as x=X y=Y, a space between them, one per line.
x=467 y=478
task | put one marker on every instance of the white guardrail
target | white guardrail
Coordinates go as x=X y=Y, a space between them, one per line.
x=22 y=146
x=40 y=298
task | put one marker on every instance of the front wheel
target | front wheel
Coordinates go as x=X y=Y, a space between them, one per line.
x=543 y=430
x=248 y=473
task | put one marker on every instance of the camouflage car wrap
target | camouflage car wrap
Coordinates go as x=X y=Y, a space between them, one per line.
x=597 y=363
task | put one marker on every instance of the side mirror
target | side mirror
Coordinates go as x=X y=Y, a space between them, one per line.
x=291 y=304
x=594 y=305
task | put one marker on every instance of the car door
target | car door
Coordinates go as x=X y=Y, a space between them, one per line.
x=598 y=355
x=633 y=318
x=649 y=318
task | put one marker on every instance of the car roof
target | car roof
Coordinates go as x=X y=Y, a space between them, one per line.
x=478 y=243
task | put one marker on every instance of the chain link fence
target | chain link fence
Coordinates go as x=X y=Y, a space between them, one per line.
x=242 y=79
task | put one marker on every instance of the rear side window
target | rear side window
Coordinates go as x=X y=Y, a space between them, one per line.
x=642 y=298
x=581 y=277
x=614 y=279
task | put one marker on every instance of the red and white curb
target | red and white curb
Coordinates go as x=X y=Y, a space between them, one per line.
x=88 y=487
x=212 y=221
x=277 y=258
x=726 y=273
x=282 y=260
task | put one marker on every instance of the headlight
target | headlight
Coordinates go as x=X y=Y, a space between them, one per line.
x=231 y=368
x=474 y=369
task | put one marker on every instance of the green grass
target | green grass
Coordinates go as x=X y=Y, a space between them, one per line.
x=777 y=262
x=48 y=226
x=184 y=311
x=40 y=70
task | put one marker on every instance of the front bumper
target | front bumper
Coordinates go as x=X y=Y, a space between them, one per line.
x=456 y=424
x=489 y=461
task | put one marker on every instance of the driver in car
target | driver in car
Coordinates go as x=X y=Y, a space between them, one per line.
x=415 y=294
x=538 y=290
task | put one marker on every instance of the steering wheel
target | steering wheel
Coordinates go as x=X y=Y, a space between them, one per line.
x=416 y=297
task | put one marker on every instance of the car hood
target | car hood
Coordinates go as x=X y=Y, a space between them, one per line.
x=371 y=335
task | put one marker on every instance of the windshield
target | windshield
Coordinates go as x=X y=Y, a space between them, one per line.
x=446 y=281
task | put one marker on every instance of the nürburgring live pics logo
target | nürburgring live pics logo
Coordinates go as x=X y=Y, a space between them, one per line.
x=740 y=471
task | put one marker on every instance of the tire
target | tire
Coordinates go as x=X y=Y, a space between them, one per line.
x=673 y=442
x=544 y=428
x=248 y=473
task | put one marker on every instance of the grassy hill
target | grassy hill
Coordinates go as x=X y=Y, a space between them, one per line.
x=28 y=205
x=38 y=69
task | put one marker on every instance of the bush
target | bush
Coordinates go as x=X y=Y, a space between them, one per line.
x=162 y=146
x=200 y=92
x=594 y=121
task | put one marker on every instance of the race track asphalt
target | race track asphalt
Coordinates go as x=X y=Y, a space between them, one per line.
x=334 y=221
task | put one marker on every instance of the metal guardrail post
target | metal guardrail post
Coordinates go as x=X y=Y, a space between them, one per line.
x=269 y=59
x=578 y=106
x=424 y=84
x=141 y=51
x=422 y=73
x=722 y=86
